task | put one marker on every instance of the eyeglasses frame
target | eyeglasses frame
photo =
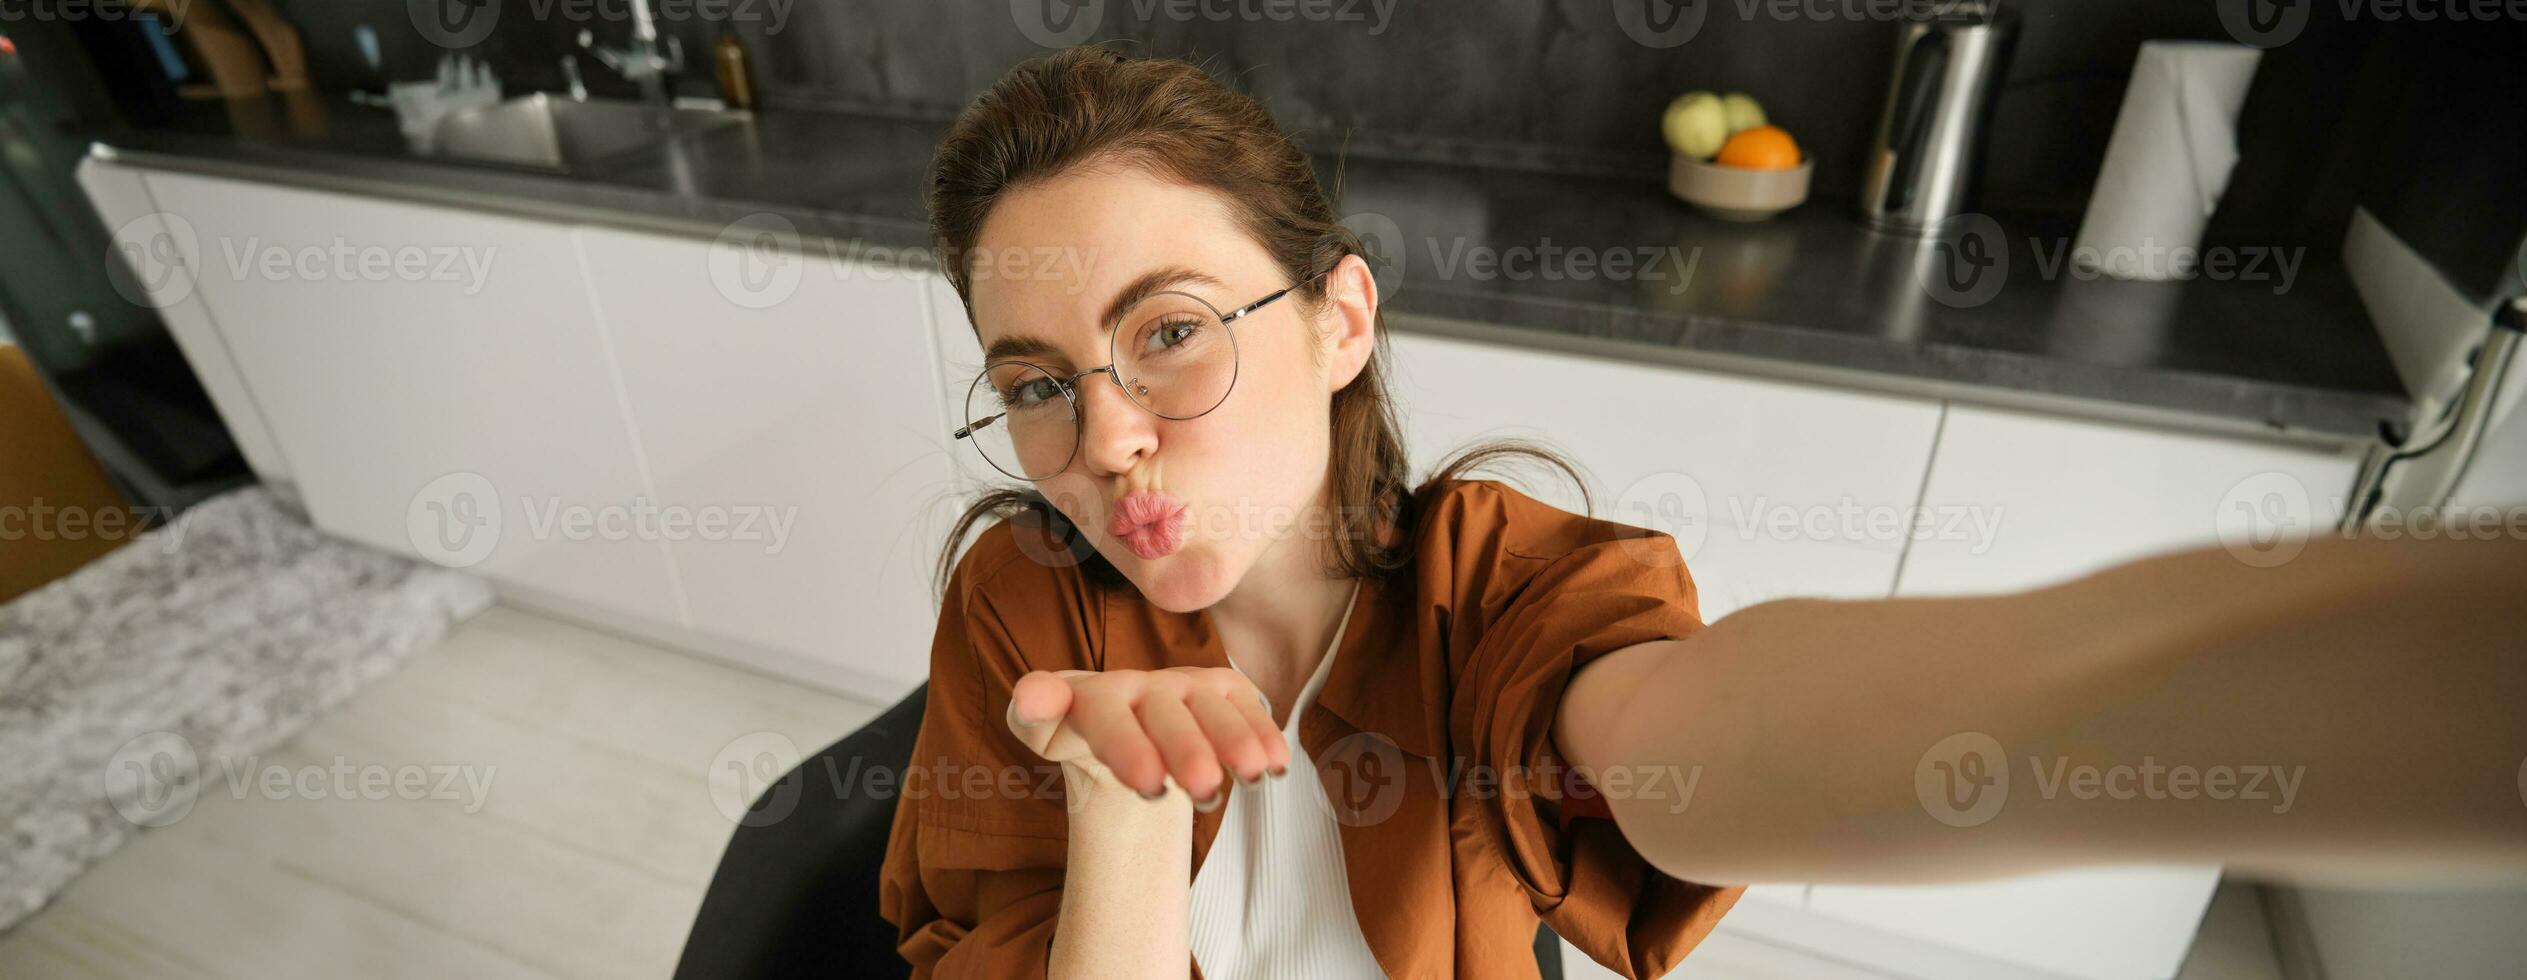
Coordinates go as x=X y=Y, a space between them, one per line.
x=1070 y=387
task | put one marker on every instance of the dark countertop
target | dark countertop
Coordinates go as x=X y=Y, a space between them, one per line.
x=1588 y=265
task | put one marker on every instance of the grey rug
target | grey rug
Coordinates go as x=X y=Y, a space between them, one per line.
x=220 y=634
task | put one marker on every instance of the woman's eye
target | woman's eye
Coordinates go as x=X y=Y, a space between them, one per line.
x=1171 y=333
x=1029 y=394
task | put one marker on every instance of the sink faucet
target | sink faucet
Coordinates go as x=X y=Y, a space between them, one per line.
x=644 y=61
x=570 y=73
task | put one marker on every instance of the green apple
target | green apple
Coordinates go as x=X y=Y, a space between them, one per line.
x=1696 y=124
x=1743 y=113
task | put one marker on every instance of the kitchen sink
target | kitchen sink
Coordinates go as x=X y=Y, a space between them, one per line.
x=564 y=134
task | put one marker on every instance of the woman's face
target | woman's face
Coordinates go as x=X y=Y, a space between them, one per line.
x=1239 y=482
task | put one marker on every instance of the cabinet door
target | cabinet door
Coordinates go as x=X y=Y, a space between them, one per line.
x=153 y=274
x=796 y=390
x=1772 y=490
x=2068 y=497
x=434 y=378
x=2072 y=497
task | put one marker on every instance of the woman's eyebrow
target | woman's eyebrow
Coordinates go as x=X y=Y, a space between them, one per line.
x=1020 y=349
x=1163 y=277
x=1025 y=348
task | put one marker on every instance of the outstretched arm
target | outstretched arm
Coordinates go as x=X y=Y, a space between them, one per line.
x=2357 y=713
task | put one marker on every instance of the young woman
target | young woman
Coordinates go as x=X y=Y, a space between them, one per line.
x=1228 y=689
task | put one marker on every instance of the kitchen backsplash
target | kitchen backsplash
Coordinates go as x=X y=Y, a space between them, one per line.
x=1561 y=84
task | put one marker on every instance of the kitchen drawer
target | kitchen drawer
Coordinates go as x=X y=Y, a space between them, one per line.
x=785 y=390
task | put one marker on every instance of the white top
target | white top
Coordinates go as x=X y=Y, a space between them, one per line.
x=1271 y=900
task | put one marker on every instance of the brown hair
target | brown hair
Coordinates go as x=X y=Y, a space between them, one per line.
x=1056 y=113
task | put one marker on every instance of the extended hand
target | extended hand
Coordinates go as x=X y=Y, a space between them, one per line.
x=1141 y=726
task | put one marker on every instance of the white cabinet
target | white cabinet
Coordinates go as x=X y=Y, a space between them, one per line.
x=1771 y=489
x=435 y=379
x=154 y=274
x=2066 y=498
x=2070 y=497
x=792 y=403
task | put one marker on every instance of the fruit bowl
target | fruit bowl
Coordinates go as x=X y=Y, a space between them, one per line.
x=1738 y=193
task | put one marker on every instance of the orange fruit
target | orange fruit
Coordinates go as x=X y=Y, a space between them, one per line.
x=1759 y=148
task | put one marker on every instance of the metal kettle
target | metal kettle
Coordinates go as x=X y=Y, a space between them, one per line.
x=1928 y=153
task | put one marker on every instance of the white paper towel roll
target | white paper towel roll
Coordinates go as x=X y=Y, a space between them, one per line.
x=2174 y=144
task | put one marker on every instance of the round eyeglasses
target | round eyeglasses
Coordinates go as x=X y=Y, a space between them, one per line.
x=1172 y=353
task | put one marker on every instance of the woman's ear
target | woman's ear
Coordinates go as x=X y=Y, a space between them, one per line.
x=1353 y=293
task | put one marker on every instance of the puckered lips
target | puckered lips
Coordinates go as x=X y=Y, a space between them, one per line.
x=1150 y=522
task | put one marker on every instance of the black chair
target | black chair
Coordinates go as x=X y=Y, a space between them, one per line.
x=796 y=892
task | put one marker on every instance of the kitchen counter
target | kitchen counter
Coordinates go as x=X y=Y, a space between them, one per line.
x=1599 y=266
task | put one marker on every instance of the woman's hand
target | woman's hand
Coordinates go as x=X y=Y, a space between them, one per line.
x=1141 y=726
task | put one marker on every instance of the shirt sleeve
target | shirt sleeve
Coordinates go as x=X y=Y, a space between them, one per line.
x=974 y=865
x=1628 y=586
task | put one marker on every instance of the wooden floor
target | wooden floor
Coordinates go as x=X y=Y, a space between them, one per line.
x=587 y=856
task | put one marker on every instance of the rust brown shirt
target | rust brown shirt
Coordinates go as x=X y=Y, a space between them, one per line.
x=1432 y=734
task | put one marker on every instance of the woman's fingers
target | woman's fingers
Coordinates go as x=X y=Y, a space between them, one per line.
x=1200 y=726
x=1231 y=735
x=1113 y=731
x=1182 y=742
x=1249 y=705
x=1037 y=705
